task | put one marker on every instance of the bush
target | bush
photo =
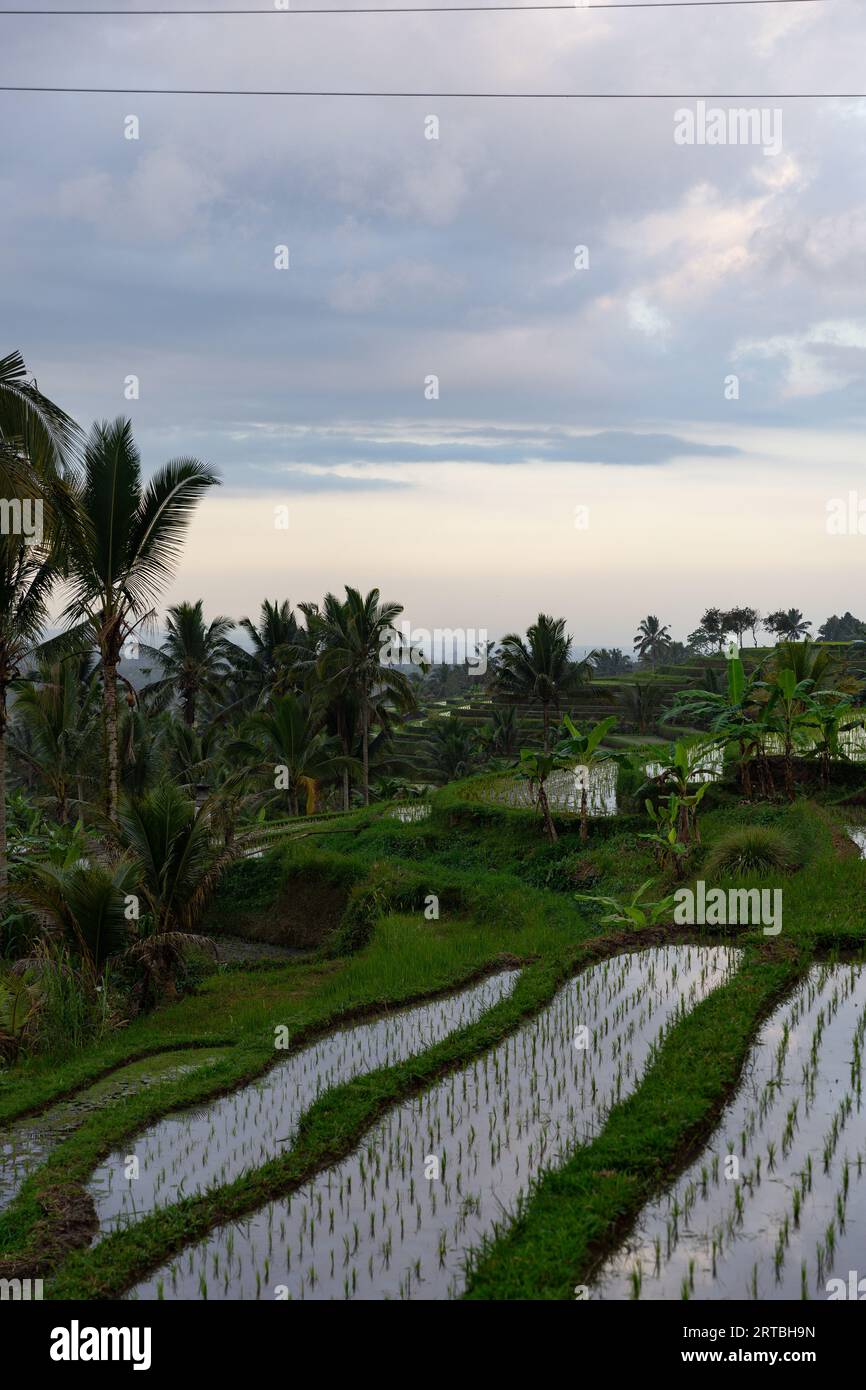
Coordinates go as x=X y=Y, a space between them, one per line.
x=759 y=849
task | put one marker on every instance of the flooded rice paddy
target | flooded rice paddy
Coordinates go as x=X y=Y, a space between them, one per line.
x=420 y=811
x=795 y=1216
x=26 y=1143
x=564 y=790
x=441 y=1172
x=211 y=1145
x=857 y=833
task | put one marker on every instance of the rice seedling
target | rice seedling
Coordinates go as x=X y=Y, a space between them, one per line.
x=26 y=1143
x=556 y=1096
x=208 y=1147
x=798 y=1129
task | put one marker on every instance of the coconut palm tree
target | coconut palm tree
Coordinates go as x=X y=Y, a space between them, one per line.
x=196 y=658
x=651 y=638
x=27 y=575
x=450 y=750
x=59 y=713
x=539 y=669
x=37 y=439
x=276 y=637
x=121 y=550
x=787 y=625
x=353 y=636
x=286 y=744
x=88 y=903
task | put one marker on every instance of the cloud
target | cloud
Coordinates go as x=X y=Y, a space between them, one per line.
x=826 y=357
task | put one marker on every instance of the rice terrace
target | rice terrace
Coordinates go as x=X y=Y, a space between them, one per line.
x=432 y=678
x=330 y=978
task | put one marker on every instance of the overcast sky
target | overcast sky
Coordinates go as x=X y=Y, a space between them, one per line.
x=560 y=389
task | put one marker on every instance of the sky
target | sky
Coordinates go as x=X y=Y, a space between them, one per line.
x=554 y=359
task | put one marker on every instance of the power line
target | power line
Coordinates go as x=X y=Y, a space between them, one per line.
x=431 y=9
x=447 y=96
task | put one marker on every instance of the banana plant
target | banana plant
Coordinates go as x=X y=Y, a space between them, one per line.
x=824 y=715
x=584 y=751
x=680 y=774
x=636 y=913
x=667 y=846
x=787 y=715
x=535 y=768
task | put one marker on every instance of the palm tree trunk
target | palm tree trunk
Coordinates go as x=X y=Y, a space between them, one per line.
x=4 y=864
x=345 y=789
x=584 y=810
x=365 y=745
x=545 y=714
x=109 y=706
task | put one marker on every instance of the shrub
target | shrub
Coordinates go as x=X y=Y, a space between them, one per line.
x=759 y=849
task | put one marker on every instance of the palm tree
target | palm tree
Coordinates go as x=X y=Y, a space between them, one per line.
x=651 y=638
x=27 y=574
x=353 y=636
x=88 y=902
x=122 y=549
x=787 y=625
x=500 y=736
x=539 y=669
x=37 y=439
x=196 y=659
x=287 y=736
x=450 y=751
x=58 y=712
x=276 y=635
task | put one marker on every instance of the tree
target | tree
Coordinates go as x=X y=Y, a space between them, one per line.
x=27 y=575
x=500 y=735
x=651 y=638
x=196 y=659
x=610 y=661
x=58 y=711
x=290 y=749
x=535 y=768
x=88 y=903
x=642 y=699
x=711 y=632
x=37 y=439
x=354 y=637
x=450 y=750
x=844 y=629
x=787 y=625
x=539 y=669
x=37 y=443
x=122 y=549
x=277 y=638
x=740 y=620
